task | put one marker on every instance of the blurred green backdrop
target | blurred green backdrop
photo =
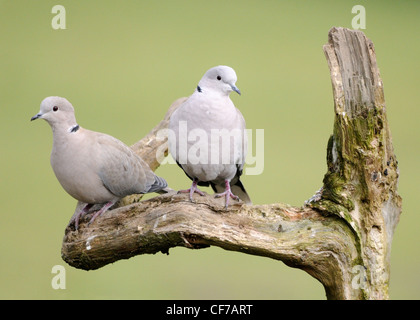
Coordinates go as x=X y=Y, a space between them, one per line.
x=122 y=63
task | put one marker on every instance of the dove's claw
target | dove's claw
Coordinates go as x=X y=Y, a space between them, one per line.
x=193 y=189
x=227 y=193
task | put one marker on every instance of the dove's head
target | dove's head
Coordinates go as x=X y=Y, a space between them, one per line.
x=220 y=78
x=57 y=111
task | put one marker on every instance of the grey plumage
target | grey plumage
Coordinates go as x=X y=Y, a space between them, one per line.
x=207 y=113
x=93 y=167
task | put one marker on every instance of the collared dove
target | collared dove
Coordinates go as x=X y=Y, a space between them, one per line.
x=208 y=139
x=93 y=167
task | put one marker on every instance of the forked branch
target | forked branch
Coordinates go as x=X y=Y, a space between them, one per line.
x=349 y=223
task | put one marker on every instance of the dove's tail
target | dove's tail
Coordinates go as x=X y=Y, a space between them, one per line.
x=159 y=185
x=166 y=190
x=237 y=189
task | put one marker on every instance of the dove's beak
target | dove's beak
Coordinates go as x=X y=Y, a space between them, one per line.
x=38 y=115
x=235 y=88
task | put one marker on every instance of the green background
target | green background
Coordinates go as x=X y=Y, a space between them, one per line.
x=122 y=63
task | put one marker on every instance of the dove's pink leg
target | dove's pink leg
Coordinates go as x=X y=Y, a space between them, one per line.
x=193 y=189
x=228 y=194
x=107 y=205
x=76 y=218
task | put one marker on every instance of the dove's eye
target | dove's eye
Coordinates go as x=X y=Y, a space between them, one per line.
x=55 y=108
x=219 y=78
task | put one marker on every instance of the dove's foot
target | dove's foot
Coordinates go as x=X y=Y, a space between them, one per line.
x=193 y=189
x=75 y=219
x=108 y=205
x=227 y=194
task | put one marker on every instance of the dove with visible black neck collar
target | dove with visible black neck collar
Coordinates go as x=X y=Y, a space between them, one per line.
x=208 y=139
x=93 y=167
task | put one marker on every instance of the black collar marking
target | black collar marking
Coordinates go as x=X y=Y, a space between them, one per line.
x=75 y=128
x=199 y=89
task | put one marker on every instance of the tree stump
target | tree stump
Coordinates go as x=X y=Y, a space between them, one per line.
x=342 y=236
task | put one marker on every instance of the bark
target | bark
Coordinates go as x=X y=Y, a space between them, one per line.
x=342 y=236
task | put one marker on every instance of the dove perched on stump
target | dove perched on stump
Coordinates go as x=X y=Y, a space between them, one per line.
x=93 y=167
x=207 y=137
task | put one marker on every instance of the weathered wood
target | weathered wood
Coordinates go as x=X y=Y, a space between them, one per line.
x=300 y=237
x=361 y=183
x=348 y=224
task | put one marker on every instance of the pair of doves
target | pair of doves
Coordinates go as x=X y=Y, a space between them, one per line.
x=96 y=168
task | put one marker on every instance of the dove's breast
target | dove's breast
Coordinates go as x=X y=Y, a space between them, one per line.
x=207 y=139
x=73 y=160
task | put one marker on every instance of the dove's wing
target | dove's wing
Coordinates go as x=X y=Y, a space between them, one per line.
x=123 y=172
